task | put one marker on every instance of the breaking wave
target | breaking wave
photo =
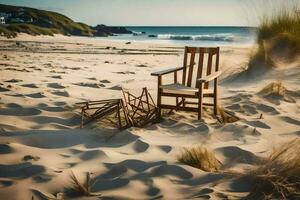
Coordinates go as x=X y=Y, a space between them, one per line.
x=212 y=37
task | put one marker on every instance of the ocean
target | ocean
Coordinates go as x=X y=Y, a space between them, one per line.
x=191 y=36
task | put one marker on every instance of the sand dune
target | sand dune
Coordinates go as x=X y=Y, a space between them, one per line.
x=41 y=142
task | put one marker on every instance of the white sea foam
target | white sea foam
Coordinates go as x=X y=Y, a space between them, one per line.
x=207 y=37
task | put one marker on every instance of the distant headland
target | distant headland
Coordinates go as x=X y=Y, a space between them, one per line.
x=15 y=19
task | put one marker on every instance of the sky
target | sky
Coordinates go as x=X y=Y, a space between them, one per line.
x=160 y=12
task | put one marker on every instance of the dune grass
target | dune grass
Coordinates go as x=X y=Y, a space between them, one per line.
x=226 y=116
x=201 y=158
x=278 y=36
x=274 y=88
x=279 y=176
x=83 y=189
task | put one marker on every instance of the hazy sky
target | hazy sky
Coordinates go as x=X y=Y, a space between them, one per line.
x=159 y=12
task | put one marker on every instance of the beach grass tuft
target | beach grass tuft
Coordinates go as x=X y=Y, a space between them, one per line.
x=279 y=176
x=274 y=88
x=83 y=189
x=201 y=158
x=226 y=116
x=278 y=36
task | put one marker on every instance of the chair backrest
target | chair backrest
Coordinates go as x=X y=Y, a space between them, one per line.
x=205 y=59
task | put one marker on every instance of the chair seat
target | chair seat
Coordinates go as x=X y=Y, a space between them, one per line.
x=177 y=88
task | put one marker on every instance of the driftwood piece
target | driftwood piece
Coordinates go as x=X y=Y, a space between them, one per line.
x=131 y=111
x=140 y=110
x=97 y=110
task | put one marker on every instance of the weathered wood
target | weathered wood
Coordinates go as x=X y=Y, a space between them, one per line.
x=97 y=110
x=142 y=110
x=191 y=69
x=211 y=77
x=185 y=90
x=167 y=71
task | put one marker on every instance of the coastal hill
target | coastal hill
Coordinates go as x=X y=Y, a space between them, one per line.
x=33 y=21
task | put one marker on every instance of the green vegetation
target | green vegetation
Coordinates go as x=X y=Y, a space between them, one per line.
x=43 y=23
x=279 y=176
x=200 y=157
x=278 y=37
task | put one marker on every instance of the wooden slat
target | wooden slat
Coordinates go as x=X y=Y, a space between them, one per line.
x=209 y=65
x=213 y=50
x=184 y=65
x=191 y=68
x=179 y=108
x=187 y=95
x=217 y=58
x=167 y=71
x=200 y=66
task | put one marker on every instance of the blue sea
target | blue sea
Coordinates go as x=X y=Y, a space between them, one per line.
x=191 y=36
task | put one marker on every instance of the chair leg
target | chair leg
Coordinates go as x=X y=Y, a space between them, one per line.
x=216 y=97
x=215 y=106
x=200 y=101
x=159 y=97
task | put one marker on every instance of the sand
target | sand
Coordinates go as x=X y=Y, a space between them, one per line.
x=41 y=142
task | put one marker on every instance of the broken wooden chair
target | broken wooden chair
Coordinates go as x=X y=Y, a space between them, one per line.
x=194 y=84
x=140 y=110
x=97 y=110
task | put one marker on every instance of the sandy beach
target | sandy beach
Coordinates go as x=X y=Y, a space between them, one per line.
x=42 y=77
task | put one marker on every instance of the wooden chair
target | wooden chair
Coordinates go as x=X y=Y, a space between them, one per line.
x=194 y=83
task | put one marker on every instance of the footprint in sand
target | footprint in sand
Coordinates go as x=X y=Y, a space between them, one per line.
x=266 y=108
x=4 y=149
x=92 y=85
x=30 y=157
x=20 y=111
x=31 y=85
x=61 y=93
x=53 y=108
x=140 y=146
x=5 y=183
x=173 y=170
x=20 y=170
x=116 y=87
x=165 y=148
x=125 y=72
x=60 y=103
x=105 y=81
x=42 y=178
x=290 y=120
x=13 y=105
x=258 y=124
x=57 y=77
x=55 y=86
x=36 y=95
x=2 y=89
x=89 y=155
x=13 y=81
x=234 y=154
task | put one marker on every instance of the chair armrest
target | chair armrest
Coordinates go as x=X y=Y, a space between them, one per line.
x=209 y=77
x=167 y=71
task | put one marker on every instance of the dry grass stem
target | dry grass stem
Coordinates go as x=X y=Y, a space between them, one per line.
x=200 y=157
x=85 y=188
x=279 y=176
